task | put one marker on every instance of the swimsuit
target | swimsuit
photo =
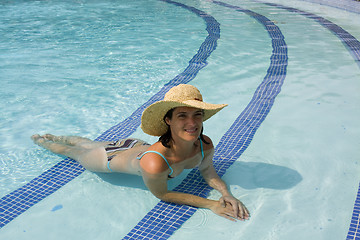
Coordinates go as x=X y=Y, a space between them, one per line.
x=169 y=176
x=160 y=156
x=112 y=149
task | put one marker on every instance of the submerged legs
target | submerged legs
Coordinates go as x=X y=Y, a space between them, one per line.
x=68 y=140
x=61 y=145
x=88 y=153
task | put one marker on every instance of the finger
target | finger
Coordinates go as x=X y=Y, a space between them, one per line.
x=228 y=217
x=230 y=211
x=247 y=213
x=241 y=211
x=236 y=208
x=222 y=202
x=244 y=212
x=240 y=215
x=234 y=205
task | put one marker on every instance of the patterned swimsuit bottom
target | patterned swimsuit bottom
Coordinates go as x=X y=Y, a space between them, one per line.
x=114 y=148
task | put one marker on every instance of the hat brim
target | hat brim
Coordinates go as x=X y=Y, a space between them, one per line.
x=152 y=121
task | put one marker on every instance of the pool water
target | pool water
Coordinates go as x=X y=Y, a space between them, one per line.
x=81 y=67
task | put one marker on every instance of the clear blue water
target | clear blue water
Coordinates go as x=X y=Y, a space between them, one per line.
x=82 y=67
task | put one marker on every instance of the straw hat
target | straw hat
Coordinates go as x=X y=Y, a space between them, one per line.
x=183 y=95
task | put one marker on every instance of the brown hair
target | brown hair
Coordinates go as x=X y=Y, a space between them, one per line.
x=166 y=137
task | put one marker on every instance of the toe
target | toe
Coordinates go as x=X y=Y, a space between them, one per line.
x=35 y=137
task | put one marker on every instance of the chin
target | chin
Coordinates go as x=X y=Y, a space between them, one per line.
x=192 y=136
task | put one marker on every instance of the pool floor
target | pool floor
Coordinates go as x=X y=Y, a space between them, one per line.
x=240 y=137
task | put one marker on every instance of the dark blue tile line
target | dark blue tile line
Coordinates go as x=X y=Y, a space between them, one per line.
x=18 y=201
x=354 y=229
x=164 y=219
x=347 y=5
x=129 y=125
x=353 y=46
x=350 y=42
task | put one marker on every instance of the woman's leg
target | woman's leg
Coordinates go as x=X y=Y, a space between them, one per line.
x=71 y=151
x=93 y=159
x=75 y=141
x=69 y=140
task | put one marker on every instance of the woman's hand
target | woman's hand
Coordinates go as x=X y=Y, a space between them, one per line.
x=222 y=210
x=239 y=210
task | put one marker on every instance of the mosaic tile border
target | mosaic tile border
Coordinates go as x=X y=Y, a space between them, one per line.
x=350 y=42
x=354 y=229
x=165 y=218
x=18 y=201
x=220 y=162
x=347 y=5
x=52 y=181
x=353 y=46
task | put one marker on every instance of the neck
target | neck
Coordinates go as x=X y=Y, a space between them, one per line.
x=182 y=148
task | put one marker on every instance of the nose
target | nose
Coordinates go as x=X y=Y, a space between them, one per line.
x=192 y=121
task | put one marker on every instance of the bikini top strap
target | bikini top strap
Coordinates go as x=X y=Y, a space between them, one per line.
x=202 y=149
x=160 y=156
x=202 y=154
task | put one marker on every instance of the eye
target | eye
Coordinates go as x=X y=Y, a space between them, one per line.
x=199 y=114
x=181 y=115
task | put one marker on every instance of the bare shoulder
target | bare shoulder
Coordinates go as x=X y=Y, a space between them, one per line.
x=208 y=146
x=153 y=163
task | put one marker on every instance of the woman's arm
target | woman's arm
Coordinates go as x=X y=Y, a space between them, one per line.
x=212 y=178
x=156 y=182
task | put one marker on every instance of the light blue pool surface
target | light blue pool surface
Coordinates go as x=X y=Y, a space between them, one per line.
x=287 y=145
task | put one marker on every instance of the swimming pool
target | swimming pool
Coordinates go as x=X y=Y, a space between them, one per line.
x=94 y=54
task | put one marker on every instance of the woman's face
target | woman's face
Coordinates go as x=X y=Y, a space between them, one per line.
x=186 y=122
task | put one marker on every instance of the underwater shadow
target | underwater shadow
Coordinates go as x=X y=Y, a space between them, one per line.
x=248 y=175
x=252 y=175
x=123 y=179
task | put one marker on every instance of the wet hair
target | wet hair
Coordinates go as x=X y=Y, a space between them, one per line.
x=166 y=137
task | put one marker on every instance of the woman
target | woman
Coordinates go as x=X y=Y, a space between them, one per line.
x=178 y=120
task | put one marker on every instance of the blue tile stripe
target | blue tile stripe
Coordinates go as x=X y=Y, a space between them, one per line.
x=347 y=5
x=165 y=218
x=353 y=46
x=349 y=41
x=18 y=201
x=354 y=229
x=129 y=125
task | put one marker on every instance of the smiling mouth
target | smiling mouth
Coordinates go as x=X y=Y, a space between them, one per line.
x=192 y=130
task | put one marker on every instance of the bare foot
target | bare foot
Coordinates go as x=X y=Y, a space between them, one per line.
x=51 y=137
x=37 y=139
